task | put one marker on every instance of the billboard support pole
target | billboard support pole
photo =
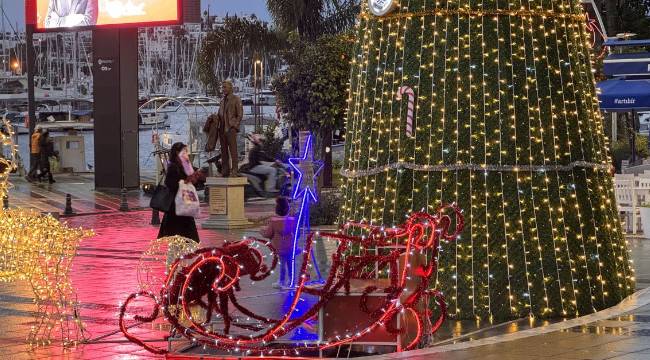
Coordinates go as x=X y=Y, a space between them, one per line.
x=115 y=91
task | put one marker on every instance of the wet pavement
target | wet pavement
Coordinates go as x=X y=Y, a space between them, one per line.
x=86 y=200
x=625 y=336
x=52 y=198
x=105 y=272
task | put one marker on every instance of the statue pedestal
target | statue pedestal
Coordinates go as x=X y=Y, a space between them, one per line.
x=226 y=201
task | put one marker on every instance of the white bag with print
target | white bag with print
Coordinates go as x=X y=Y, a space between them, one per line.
x=187 y=200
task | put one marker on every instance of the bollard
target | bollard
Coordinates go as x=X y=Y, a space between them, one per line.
x=5 y=202
x=124 y=205
x=68 y=205
x=155 y=217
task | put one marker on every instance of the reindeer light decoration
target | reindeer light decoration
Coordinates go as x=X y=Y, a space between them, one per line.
x=39 y=249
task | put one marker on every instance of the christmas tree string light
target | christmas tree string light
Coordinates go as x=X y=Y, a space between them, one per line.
x=507 y=125
x=215 y=273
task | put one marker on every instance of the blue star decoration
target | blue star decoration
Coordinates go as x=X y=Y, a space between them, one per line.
x=308 y=169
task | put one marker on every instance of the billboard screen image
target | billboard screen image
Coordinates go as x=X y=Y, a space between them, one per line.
x=71 y=14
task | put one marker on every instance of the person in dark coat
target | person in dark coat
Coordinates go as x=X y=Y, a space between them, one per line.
x=46 y=146
x=179 y=168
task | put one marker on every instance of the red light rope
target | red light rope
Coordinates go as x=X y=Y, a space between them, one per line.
x=215 y=273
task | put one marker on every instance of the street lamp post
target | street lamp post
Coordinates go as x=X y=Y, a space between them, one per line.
x=257 y=92
x=31 y=63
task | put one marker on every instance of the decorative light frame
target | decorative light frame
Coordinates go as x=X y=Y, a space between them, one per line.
x=306 y=189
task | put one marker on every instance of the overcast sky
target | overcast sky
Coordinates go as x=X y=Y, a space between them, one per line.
x=15 y=12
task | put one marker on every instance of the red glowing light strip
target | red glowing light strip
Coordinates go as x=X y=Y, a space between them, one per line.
x=414 y=231
x=418 y=334
x=188 y=278
x=240 y=341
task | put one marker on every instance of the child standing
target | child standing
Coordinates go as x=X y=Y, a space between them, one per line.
x=280 y=231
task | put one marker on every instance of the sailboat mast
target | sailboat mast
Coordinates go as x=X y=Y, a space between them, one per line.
x=4 y=36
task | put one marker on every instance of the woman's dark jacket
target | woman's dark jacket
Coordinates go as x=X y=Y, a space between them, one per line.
x=172 y=224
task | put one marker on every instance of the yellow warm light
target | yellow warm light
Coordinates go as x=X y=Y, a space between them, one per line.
x=8 y=149
x=156 y=260
x=473 y=123
x=39 y=249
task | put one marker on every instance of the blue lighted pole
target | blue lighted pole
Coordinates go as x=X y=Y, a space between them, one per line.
x=308 y=169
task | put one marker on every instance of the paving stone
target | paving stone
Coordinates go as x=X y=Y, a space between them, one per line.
x=104 y=273
x=633 y=356
x=633 y=344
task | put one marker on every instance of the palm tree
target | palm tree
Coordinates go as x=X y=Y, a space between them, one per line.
x=313 y=18
x=238 y=39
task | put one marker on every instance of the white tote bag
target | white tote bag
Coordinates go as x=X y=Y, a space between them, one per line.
x=187 y=200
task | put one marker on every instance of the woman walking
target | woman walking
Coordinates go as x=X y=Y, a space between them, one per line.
x=179 y=168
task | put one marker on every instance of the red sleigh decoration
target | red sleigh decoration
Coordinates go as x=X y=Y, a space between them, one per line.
x=214 y=273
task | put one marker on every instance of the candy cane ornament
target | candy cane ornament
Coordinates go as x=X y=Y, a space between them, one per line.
x=411 y=105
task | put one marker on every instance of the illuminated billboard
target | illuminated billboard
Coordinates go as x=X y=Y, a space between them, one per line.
x=58 y=15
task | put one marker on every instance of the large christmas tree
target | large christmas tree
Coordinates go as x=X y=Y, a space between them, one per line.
x=505 y=122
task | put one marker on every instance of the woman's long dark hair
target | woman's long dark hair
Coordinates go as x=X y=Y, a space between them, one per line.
x=174 y=151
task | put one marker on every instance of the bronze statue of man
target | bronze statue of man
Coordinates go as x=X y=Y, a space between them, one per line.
x=225 y=126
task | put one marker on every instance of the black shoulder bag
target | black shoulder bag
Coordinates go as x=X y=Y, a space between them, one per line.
x=162 y=198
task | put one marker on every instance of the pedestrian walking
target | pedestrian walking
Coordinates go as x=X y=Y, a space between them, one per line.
x=281 y=230
x=46 y=147
x=34 y=155
x=179 y=168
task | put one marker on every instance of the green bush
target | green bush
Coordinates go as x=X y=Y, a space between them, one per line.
x=326 y=210
x=313 y=91
x=621 y=150
x=272 y=145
